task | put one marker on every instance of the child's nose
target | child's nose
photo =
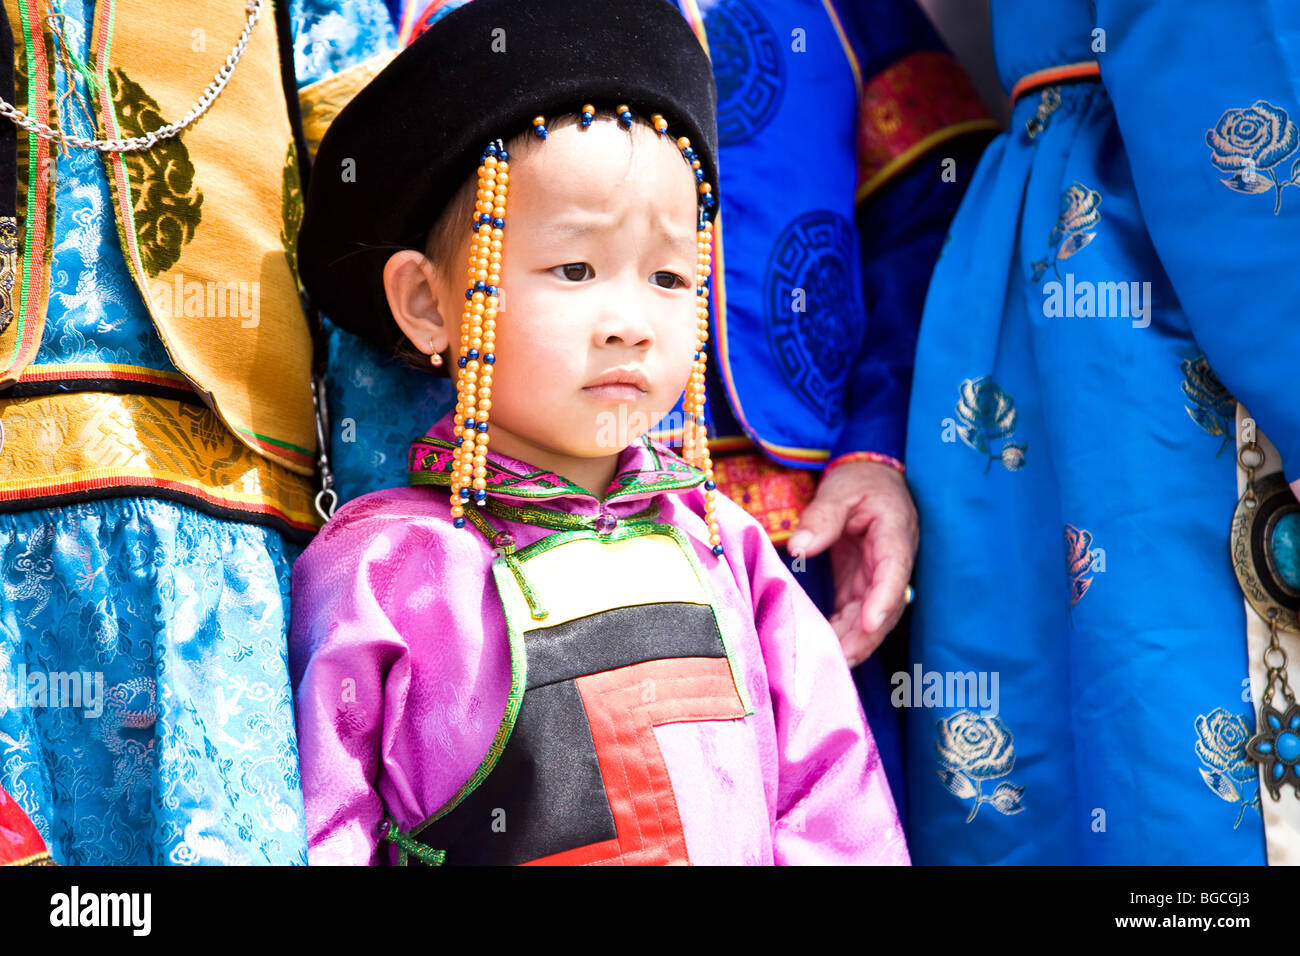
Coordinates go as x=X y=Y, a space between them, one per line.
x=626 y=322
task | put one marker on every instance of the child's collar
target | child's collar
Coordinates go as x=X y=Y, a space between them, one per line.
x=644 y=469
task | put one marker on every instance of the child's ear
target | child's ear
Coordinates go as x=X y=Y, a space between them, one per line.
x=417 y=301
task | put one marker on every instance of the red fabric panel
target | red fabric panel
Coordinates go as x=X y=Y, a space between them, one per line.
x=623 y=706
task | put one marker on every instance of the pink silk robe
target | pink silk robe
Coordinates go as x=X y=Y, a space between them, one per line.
x=402 y=669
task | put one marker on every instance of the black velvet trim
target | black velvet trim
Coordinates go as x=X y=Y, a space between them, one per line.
x=120 y=386
x=296 y=535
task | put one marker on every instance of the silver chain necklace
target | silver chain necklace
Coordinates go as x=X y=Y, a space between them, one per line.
x=135 y=143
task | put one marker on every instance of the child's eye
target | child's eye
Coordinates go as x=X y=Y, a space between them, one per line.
x=573 y=271
x=673 y=278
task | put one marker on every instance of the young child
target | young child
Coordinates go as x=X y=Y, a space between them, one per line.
x=497 y=664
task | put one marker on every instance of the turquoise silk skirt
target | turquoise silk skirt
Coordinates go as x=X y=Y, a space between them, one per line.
x=145 y=715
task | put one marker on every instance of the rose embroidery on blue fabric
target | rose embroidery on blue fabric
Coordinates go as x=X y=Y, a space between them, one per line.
x=1221 y=746
x=1079 y=214
x=975 y=749
x=1213 y=407
x=1078 y=561
x=1252 y=143
x=985 y=414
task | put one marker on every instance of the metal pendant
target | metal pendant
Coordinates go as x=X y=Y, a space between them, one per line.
x=1266 y=549
x=1266 y=557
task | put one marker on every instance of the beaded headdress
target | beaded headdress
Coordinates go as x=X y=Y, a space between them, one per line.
x=397 y=153
x=482 y=301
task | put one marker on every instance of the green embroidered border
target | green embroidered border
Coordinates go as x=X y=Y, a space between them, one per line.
x=25 y=76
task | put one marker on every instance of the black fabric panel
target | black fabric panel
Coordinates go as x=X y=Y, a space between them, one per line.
x=8 y=131
x=620 y=637
x=547 y=782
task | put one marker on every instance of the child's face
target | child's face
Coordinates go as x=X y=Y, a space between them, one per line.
x=598 y=273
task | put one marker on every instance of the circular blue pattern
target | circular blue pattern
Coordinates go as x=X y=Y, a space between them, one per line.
x=1285 y=545
x=815 y=321
x=747 y=67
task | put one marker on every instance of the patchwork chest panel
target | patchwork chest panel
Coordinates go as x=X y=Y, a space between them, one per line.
x=628 y=639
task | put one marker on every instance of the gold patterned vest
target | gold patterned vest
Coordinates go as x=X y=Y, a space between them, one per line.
x=208 y=225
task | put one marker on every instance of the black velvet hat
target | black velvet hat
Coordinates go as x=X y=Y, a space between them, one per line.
x=416 y=132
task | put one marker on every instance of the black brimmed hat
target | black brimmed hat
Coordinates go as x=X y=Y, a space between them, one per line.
x=411 y=138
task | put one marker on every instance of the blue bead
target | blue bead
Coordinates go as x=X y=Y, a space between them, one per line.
x=710 y=485
x=459 y=522
x=505 y=157
x=498 y=223
x=1278 y=770
x=484 y=217
x=476 y=225
x=461 y=361
x=717 y=549
x=493 y=290
x=464 y=494
x=473 y=353
x=480 y=496
x=490 y=358
x=469 y=294
x=459 y=440
x=541 y=131
x=1274 y=722
x=469 y=423
x=702 y=289
x=1266 y=747
x=492 y=149
x=1288 y=747
x=480 y=285
x=482 y=426
x=1295 y=722
x=699 y=175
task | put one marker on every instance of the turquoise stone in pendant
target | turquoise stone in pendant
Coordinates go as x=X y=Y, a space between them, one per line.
x=1285 y=545
x=1288 y=747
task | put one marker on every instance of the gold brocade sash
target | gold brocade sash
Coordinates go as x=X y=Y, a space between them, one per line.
x=207 y=220
x=67 y=448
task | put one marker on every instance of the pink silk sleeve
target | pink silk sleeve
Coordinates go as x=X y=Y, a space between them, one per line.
x=833 y=804
x=343 y=652
x=400 y=668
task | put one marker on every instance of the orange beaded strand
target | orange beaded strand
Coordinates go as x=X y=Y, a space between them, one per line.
x=478 y=334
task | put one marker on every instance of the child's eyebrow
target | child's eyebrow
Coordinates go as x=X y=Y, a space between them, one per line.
x=560 y=231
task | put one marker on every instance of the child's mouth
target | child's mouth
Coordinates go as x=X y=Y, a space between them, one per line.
x=614 y=393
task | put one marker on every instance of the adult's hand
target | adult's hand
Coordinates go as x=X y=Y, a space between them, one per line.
x=864 y=513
